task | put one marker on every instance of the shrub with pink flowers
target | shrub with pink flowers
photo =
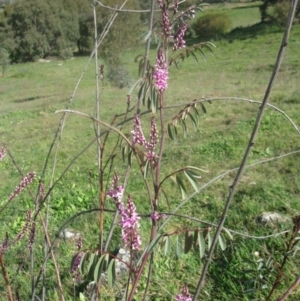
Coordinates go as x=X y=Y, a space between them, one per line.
x=132 y=230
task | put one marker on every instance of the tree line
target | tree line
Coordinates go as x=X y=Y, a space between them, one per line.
x=33 y=29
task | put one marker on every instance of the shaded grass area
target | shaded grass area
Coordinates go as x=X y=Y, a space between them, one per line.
x=241 y=67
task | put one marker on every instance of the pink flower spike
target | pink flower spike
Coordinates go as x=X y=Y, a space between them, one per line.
x=175 y=7
x=130 y=223
x=160 y=74
x=116 y=192
x=137 y=132
x=150 y=146
x=179 y=41
x=184 y=296
x=25 y=182
x=2 y=153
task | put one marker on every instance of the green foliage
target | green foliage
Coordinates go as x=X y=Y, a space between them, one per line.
x=38 y=28
x=276 y=10
x=27 y=119
x=279 y=12
x=212 y=24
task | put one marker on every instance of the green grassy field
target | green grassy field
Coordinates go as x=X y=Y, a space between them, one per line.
x=240 y=68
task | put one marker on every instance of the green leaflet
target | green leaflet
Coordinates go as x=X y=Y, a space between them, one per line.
x=170 y=132
x=201 y=244
x=222 y=242
x=111 y=273
x=188 y=241
x=178 y=247
x=101 y=266
x=82 y=262
x=135 y=85
x=167 y=248
x=181 y=186
x=192 y=180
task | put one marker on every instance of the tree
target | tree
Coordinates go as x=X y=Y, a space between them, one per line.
x=35 y=29
x=38 y=28
x=281 y=7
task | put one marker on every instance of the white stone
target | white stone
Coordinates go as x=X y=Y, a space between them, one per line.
x=271 y=218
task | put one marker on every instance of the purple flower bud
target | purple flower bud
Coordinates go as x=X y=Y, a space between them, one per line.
x=160 y=74
x=156 y=216
x=175 y=7
x=42 y=192
x=79 y=243
x=32 y=235
x=76 y=262
x=184 y=296
x=160 y=3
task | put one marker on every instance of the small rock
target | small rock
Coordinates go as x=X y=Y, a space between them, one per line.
x=44 y=61
x=69 y=233
x=271 y=218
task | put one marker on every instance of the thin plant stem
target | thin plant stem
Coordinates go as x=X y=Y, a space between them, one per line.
x=148 y=276
x=281 y=267
x=249 y=147
x=290 y=289
x=147 y=50
x=98 y=130
x=7 y=283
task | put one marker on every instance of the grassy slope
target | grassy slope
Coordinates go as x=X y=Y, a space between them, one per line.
x=241 y=67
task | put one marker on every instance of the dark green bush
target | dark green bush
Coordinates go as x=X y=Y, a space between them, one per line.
x=119 y=77
x=276 y=10
x=279 y=12
x=212 y=24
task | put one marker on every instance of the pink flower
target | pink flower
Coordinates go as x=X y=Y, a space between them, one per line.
x=175 y=7
x=179 y=41
x=160 y=74
x=137 y=132
x=139 y=138
x=2 y=153
x=77 y=261
x=166 y=27
x=150 y=146
x=184 y=296
x=116 y=192
x=25 y=182
x=130 y=223
x=156 y=216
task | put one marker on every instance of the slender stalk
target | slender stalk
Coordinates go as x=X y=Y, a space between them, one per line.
x=290 y=289
x=280 y=273
x=149 y=276
x=98 y=131
x=249 y=147
x=7 y=283
x=147 y=50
